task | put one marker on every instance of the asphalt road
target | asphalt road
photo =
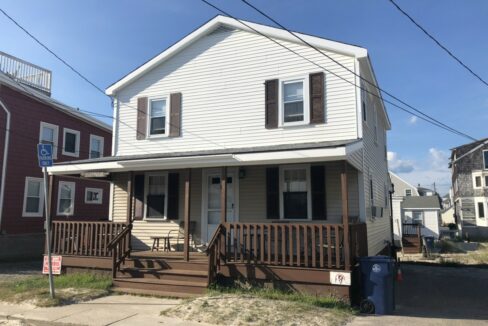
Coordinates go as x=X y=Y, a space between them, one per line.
x=433 y=295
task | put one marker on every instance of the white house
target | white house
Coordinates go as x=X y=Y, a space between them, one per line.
x=226 y=113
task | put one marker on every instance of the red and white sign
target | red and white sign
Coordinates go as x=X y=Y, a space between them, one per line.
x=56 y=265
x=340 y=278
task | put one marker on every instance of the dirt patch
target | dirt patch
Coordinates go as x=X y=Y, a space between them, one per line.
x=230 y=309
x=19 y=270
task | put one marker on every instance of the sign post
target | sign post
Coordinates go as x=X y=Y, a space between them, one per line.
x=45 y=157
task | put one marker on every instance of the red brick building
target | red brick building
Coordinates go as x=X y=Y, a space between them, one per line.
x=28 y=116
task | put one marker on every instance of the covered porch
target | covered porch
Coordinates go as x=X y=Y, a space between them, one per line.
x=294 y=220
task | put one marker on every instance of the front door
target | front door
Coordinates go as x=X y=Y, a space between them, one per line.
x=211 y=202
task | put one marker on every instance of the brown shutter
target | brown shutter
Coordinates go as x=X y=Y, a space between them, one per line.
x=319 y=202
x=175 y=115
x=272 y=193
x=139 y=197
x=271 y=103
x=141 y=117
x=173 y=196
x=317 y=98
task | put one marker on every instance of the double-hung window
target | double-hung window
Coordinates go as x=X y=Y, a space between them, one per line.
x=93 y=195
x=158 y=118
x=33 y=197
x=71 y=142
x=418 y=217
x=485 y=159
x=294 y=102
x=48 y=134
x=481 y=209
x=156 y=198
x=96 y=146
x=66 y=198
x=295 y=192
x=408 y=192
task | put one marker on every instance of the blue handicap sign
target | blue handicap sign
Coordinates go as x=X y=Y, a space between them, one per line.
x=45 y=154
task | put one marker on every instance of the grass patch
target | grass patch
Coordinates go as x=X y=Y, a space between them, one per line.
x=69 y=288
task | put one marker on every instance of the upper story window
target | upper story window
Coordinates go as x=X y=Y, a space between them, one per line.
x=48 y=134
x=33 y=197
x=485 y=159
x=294 y=99
x=408 y=192
x=71 y=142
x=158 y=122
x=96 y=146
x=295 y=192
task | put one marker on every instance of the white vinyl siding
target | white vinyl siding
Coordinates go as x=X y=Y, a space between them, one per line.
x=221 y=79
x=33 y=197
x=48 y=134
x=66 y=198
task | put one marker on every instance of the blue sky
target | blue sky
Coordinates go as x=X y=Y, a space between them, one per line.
x=107 y=39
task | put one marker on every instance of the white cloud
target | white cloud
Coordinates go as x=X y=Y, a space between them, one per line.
x=432 y=169
x=413 y=120
x=398 y=165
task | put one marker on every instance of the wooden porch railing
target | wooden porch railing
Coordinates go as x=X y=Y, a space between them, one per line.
x=84 y=238
x=286 y=244
x=215 y=253
x=411 y=229
x=121 y=248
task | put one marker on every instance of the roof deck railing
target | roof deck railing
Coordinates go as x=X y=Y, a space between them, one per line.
x=26 y=72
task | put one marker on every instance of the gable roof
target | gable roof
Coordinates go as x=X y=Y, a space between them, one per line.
x=39 y=96
x=421 y=202
x=229 y=22
x=396 y=176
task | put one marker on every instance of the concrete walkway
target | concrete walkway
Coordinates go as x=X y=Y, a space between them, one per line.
x=112 y=310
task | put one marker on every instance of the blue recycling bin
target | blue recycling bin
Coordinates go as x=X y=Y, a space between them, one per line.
x=377 y=284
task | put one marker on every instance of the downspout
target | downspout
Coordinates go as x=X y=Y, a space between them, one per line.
x=4 y=163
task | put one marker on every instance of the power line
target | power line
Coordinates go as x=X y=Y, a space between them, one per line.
x=356 y=74
x=438 y=124
x=52 y=52
x=438 y=43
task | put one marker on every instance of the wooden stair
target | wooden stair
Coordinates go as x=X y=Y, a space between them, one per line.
x=411 y=244
x=171 y=277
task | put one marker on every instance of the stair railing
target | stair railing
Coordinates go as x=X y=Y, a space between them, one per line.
x=121 y=248
x=216 y=253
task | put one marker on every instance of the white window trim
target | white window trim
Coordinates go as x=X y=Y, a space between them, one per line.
x=167 y=115
x=306 y=102
x=99 y=190
x=477 y=174
x=146 y=190
x=484 y=162
x=411 y=192
x=422 y=215
x=56 y=133
x=485 y=205
x=309 y=191
x=72 y=185
x=102 y=141
x=41 y=197
x=77 y=144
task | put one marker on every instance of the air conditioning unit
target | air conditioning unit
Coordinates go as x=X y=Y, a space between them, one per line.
x=376 y=211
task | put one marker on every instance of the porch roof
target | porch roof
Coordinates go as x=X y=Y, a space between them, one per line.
x=276 y=154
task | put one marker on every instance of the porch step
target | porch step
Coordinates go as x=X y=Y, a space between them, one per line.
x=154 y=263
x=161 y=285
x=167 y=274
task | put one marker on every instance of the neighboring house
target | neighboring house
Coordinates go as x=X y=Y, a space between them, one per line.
x=28 y=116
x=469 y=167
x=447 y=212
x=415 y=213
x=253 y=153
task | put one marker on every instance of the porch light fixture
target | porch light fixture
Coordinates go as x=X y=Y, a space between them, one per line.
x=242 y=173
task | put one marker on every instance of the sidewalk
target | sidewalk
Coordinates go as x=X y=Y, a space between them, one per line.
x=112 y=310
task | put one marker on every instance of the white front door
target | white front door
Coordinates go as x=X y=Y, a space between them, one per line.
x=211 y=202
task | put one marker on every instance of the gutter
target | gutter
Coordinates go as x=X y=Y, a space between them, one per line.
x=4 y=163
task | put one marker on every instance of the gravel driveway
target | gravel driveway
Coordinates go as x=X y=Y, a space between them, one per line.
x=432 y=295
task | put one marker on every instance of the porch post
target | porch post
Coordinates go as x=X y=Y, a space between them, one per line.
x=223 y=195
x=130 y=196
x=186 y=217
x=345 y=216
